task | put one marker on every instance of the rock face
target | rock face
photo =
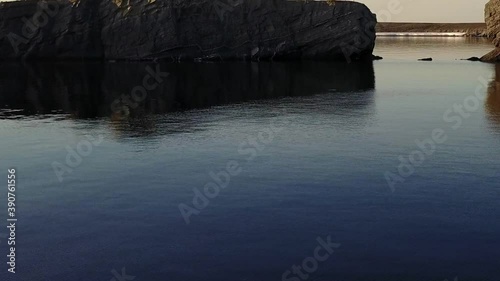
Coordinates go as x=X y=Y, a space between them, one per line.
x=492 y=18
x=185 y=30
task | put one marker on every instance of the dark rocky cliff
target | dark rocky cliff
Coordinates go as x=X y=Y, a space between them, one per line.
x=185 y=30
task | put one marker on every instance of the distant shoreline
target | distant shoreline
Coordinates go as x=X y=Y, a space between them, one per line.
x=431 y=29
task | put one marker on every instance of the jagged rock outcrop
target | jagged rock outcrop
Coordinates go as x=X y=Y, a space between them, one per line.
x=185 y=30
x=492 y=18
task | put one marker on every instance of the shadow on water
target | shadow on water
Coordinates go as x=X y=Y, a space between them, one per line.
x=493 y=99
x=104 y=91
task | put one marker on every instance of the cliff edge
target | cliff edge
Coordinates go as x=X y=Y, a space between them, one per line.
x=185 y=30
x=492 y=18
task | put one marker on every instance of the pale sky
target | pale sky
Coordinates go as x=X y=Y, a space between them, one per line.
x=457 y=11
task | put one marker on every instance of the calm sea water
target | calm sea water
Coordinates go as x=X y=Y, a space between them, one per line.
x=309 y=144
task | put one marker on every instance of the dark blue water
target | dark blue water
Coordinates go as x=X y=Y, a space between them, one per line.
x=301 y=151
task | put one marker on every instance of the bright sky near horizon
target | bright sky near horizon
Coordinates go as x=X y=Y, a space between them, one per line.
x=456 y=11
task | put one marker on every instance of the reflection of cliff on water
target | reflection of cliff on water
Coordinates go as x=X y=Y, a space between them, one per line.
x=90 y=90
x=493 y=99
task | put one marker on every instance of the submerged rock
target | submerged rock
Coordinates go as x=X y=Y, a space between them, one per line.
x=426 y=59
x=186 y=30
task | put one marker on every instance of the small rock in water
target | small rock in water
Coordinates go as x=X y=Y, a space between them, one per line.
x=374 y=57
x=473 y=59
x=426 y=59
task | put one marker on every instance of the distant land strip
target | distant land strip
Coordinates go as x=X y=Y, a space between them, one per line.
x=469 y=29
